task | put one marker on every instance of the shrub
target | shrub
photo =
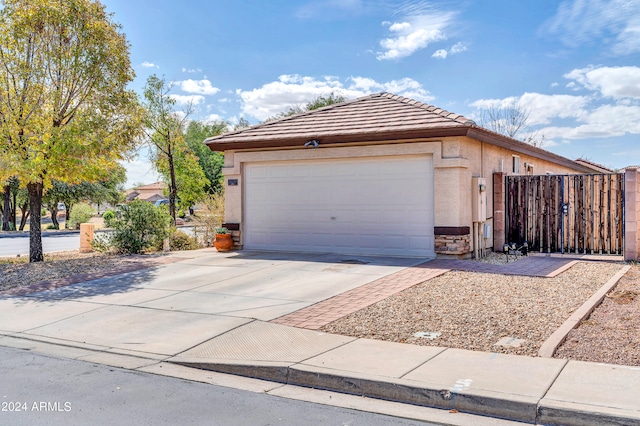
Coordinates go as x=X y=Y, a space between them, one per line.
x=178 y=240
x=108 y=217
x=81 y=213
x=139 y=227
x=210 y=218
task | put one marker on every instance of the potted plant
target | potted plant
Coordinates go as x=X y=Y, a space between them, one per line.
x=223 y=241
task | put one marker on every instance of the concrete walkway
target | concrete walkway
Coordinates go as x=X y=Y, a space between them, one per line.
x=221 y=312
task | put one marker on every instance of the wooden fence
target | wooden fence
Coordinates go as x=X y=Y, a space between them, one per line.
x=566 y=213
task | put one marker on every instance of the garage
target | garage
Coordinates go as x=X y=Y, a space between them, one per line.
x=366 y=205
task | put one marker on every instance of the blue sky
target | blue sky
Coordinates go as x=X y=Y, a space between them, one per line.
x=575 y=64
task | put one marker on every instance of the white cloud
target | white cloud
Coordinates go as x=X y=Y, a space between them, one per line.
x=440 y=53
x=149 y=65
x=198 y=87
x=614 y=22
x=443 y=53
x=415 y=32
x=188 y=99
x=542 y=108
x=458 y=48
x=213 y=118
x=292 y=89
x=191 y=70
x=611 y=82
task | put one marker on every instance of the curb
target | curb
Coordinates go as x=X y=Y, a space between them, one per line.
x=486 y=403
x=512 y=407
x=550 y=345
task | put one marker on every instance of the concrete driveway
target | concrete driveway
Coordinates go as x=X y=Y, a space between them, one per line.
x=166 y=310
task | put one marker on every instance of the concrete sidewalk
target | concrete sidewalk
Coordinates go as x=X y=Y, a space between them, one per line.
x=219 y=312
x=526 y=389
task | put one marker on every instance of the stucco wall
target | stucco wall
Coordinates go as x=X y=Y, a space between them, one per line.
x=456 y=160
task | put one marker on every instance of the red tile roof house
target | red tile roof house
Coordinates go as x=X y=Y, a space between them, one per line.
x=378 y=175
x=151 y=192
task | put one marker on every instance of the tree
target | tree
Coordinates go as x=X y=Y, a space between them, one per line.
x=190 y=179
x=317 y=102
x=511 y=119
x=65 y=110
x=210 y=162
x=170 y=152
x=242 y=123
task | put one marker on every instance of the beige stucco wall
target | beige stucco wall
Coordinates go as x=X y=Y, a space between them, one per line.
x=456 y=160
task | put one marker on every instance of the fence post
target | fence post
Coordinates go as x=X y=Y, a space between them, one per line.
x=499 y=205
x=631 y=215
x=86 y=237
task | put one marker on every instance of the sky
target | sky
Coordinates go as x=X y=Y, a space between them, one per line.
x=573 y=64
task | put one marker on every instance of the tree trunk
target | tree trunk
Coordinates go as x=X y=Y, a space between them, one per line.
x=173 y=190
x=6 y=210
x=35 y=231
x=54 y=216
x=25 y=215
x=14 y=209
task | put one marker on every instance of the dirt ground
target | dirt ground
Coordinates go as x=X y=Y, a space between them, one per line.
x=612 y=333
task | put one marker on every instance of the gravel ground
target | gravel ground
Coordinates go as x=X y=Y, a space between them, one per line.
x=474 y=311
x=18 y=272
x=611 y=334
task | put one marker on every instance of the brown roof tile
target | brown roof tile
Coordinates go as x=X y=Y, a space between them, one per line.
x=380 y=113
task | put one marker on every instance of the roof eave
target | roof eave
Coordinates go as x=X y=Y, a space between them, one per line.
x=506 y=142
x=335 y=139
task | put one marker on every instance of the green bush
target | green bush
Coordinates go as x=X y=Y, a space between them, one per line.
x=81 y=213
x=178 y=240
x=108 y=217
x=140 y=226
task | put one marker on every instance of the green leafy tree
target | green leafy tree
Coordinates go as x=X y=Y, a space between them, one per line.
x=210 y=162
x=190 y=180
x=65 y=110
x=317 y=102
x=242 y=123
x=165 y=129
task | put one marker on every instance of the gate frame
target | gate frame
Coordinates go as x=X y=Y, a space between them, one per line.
x=630 y=221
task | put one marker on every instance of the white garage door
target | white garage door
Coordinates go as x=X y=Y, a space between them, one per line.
x=378 y=206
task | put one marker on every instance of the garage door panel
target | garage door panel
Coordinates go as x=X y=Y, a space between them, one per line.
x=381 y=205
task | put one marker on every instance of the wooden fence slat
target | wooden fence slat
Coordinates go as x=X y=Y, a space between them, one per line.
x=592 y=224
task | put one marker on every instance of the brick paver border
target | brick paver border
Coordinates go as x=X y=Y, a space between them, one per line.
x=322 y=313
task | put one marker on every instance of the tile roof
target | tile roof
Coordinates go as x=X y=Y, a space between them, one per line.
x=372 y=119
x=151 y=186
x=599 y=167
x=376 y=115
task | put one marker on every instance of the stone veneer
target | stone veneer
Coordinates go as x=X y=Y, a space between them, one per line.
x=453 y=244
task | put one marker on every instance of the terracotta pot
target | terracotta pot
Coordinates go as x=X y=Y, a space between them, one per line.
x=223 y=242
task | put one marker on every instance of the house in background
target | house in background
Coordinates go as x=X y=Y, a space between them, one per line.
x=378 y=175
x=151 y=193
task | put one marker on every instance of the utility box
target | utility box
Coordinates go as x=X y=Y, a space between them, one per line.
x=478 y=199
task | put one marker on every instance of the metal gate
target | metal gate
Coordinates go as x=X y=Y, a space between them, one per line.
x=566 y=213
